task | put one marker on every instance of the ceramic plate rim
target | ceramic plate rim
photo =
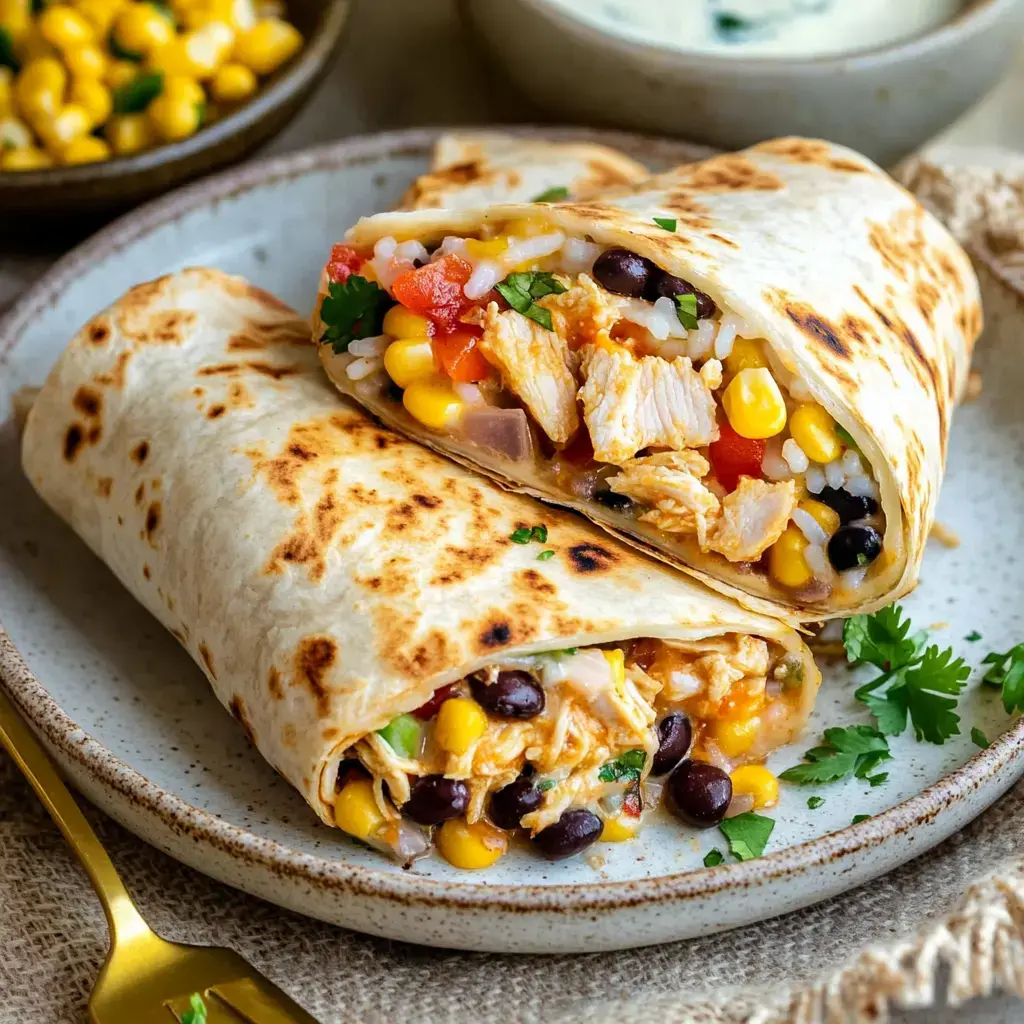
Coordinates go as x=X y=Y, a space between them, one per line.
x=110 y=772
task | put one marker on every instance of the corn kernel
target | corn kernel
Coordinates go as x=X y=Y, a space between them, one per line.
x=6 y=93
x=460 y=723
x=129 y=133
x=198 y=54
x=754 y=404
x=141 y=28
x=64 y=27
x=16 y=19
x=815 y=431
x=746 y=354
x=28 y=159
x=14 y=134
x=267 y=45
x=492 y=249
x=400 y=322
x=618 y=830
x=86 y=61
x=71 y=122
x=433 y=402
x=234 y=83
x=827 y=518
x=39 y=89
x=174 y=117
x=735 y=736
x=755 y=780
x=120 y=73
x=33 y=46
x=86 y=150
x=787 y=563
x=99 y=13
x=356 y=811
x=470 y=847
x=409 y=359
x=617 y=662
x=182 y=87
x=236 y=13
x=95 y=97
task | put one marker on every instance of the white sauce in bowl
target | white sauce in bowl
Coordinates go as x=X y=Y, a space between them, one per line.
x=765 y=28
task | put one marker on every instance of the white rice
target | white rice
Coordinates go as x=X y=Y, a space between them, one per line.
x=773 y=465
x=810 y=527
x=795 y=456
x=469 y=393
x=817 y=559
x=387 y=264
x=451 y=244
x=672 y=350
x=578 y=255
x=799 y=389
x=533 y=248
x=374 y=346
x=412 y=251
x=363 y=367
x=486 y=274
x=815 y=480
x=660 y=319
x=834 y=475
x=853 y=578
x=701 y=340
x=862 y=486
x=728 y=327
x=851 y=463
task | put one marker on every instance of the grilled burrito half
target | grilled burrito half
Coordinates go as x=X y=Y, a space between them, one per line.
x=402 y=641
x=746 y=366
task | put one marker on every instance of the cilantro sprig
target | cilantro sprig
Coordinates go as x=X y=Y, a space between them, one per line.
x=667 y=223
x=916 y=681
x=1007 y=672
x=748 y=834
x=197 y=1012
x=552 y=195
x=353 y=309
x=686 y=310
x=625 y=768
x=856 y=750
x=522 y=290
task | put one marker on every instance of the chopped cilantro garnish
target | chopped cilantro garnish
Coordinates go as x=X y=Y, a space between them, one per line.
x=686 y=310
x=402 y=735
x=353 y=309
x=545 y=784
x=197 y=1013
x=539 y=534
x=980 y=739
x=668 y=223
x=1007 y=671
x=7 y=58
x=522 y=290
x=846 y=437
x=921 y=682
x=747 y=834
x=625 y=768
x=713 y=858
x=973 y=636
x=858 y=818
x=814 y=802
x=525 y=534
x=552 y=195
x=857 y=750
x=135 y=96
x=545 y=555
x=731 y=24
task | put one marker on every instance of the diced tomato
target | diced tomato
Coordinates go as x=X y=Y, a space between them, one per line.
x=428 y=710
x=580 y=450
x=733 y=456
x=632 y=802
x=344 y=262
x=459 y=355
x=436 y=290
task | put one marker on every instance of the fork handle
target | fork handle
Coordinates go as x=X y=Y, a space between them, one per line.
x=37 y=766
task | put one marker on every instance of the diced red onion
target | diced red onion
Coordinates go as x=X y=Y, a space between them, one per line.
x=795 y=456
x=505 y=431
x=374 y=346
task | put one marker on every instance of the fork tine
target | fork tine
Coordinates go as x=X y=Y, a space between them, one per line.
x=261 y=1003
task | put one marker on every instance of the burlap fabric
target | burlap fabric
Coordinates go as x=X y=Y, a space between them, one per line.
x=946 y=927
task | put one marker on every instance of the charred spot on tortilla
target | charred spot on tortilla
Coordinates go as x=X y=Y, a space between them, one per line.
x=315 y=656
x=537 y=583
x=264 y=298
x=810 y=151
x=274 y=372
x=88 y=401
x=73 y=439
x=168 y=328
x=722 y=240
x=426 y=501
x=456 y=564
x=140 y=494
x=927 y=297
x=204 y=653
x=146 y=572
x=816 y=327
x=95 y=433
x=152 y=522
x=591 y=558
x=245 y=343
x=497 y=635
x=218 y=369
x=99 y=332
x=140 y=452
x=237 y=709
x=274 y=686
x=117 y=377
x=216 y=411
x=732 y=172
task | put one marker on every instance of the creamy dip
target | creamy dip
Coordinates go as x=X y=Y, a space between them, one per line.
x=766 y=28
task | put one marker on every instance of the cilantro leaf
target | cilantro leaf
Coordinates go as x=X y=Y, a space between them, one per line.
x=890 y=711
x=197 y=1013
x=846 y=437
x=522 y=290
x=876 y=780
x=668 y=223
x=857 y=739
x=521 y=536
x=880 y=639
x=713 y=858
x=980 y=739
x=1007 y=671
x=545 y=555
x=973 y=636
x=353 y=309
x=540 y=534
x=7 y=58
x=932 y=688
x=858 y=818
x=856 y=750
x=625 y=768
x=552 y=195
x=747 y=834
x=686 y=310
x=135 y=96
x=814 y=802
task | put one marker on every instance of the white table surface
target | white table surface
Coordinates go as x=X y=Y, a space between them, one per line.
x=447 y=83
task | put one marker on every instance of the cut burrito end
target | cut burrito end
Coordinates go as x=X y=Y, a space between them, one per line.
x=687 y=362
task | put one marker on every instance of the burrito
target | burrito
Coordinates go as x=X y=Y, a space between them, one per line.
x=474 y=169
x=745 y=366
x=425 y=657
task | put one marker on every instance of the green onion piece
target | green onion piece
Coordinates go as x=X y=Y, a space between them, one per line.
x=402 y=735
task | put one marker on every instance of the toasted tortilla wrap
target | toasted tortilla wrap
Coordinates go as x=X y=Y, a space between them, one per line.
x=330 y=578
x=473 y=169
x=746 y=366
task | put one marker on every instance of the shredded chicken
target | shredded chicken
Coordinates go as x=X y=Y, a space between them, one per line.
x=631 y=403
x=583 y=313
x=742 y=526
x=710 y=669
x=536 y=365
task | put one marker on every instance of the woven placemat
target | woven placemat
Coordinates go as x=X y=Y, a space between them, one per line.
x=947 y=926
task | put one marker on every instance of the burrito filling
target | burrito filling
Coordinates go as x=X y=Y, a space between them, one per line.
x=605 y=378
x=575 y=746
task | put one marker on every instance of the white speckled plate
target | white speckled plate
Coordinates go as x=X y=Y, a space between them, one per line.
x=133 y=723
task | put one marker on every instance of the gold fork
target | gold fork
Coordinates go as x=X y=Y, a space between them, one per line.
x=145 y=978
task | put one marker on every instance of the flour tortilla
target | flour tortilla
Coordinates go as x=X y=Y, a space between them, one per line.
x=859 y=291
x=325 y=574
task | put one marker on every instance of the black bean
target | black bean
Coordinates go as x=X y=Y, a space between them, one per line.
x=434 y=799
x=699 y=793
x=509 y=805
x=613 y=500
x=848 y=506
x=663 y=284
x=623 y=272
x=851 y=546
x=394 y=392
x=514 y=694
x=674 y=736
x=574 y=831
